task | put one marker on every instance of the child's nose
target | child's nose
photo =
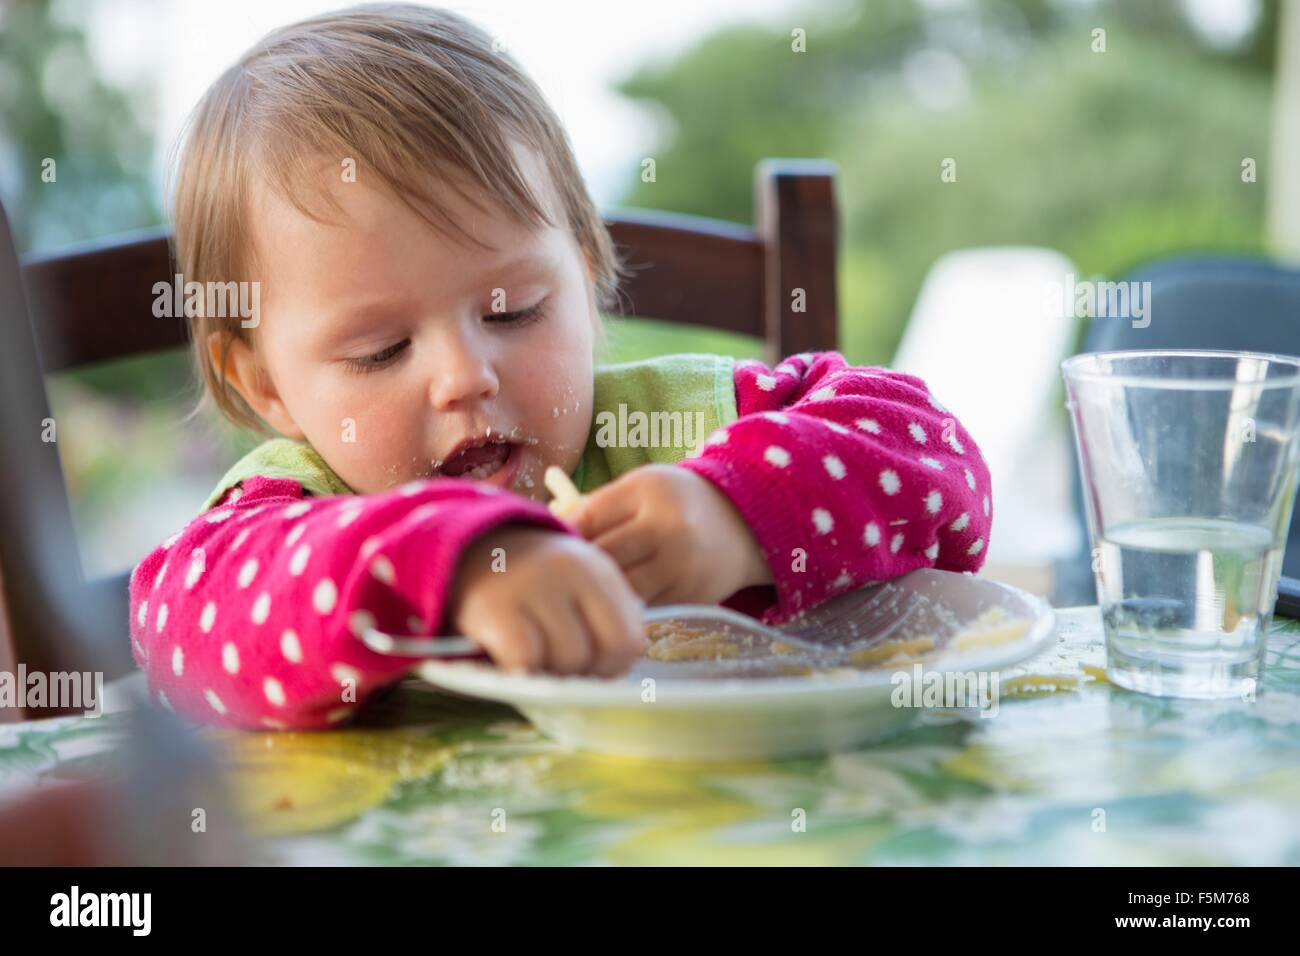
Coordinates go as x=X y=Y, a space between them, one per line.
x=463 y=375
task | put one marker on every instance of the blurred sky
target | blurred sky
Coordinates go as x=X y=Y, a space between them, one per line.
x=574 y=49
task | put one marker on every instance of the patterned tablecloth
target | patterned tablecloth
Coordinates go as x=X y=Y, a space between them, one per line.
x=1074 y=772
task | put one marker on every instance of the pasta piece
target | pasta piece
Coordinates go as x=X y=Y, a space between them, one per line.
x=566 y=497
x=988 y=629
x=892 y=652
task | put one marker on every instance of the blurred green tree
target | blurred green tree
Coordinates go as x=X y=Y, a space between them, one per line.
x=55 y=107
x=1112 y=157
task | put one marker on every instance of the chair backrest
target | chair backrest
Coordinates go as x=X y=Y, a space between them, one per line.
x=1199 y=302
x=94 y=303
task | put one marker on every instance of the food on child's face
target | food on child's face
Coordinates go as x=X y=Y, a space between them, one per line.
x=566 y=495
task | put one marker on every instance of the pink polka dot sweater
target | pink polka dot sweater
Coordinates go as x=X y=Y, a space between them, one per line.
x=250 y=616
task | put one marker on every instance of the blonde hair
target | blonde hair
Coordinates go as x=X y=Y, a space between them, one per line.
x=415 y=95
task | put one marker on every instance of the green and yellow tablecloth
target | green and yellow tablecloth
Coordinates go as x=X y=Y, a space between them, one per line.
x=1073 y=772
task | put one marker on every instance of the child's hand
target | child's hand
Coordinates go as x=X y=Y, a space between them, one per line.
x=676 y=536
x=560 y=605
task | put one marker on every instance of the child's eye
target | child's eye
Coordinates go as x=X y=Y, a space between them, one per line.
x=521 y=317
x=377 y=361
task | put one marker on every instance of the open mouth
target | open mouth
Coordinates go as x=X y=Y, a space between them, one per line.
x=479 y=460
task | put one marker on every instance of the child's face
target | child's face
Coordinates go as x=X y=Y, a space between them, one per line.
x=391 y=347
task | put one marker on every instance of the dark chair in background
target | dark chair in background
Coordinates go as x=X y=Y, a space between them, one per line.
x=1227 y=303
x=94 y=304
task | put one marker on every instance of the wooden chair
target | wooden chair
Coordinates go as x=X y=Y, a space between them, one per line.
x=94 y=304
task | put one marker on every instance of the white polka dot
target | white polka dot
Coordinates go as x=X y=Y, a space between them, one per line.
x=236 y=494
x=933 y=502
x=718 y=438
x=337 y=714
x=787 y=370
x=216 y=517
x=822 y=394
x=239 y=539
x=274 y=724
x=297 y=510
x=346 y=675
x=141 y=613
x=871 y=534
x=931 y=463
x=172 y=540
x=917 y=432
x=273 y=691
x=960 y=524
x=298 y=563
x=834 y=467
x=290 y=648
x=261 y=608
x=178 y=661
x=889 y=481
x=955 y=443
x=843 y=581
x=294 y=534
x=970 y=479
x=932 y=552
x=250 y=512
x=868 y=425
x=248 y=572
x=198 y=563
x=324 y=596
x=215 y=702
x=161 y=571
x=411 y=488
x=230 y=658
x=208 y=617
x=368 y=547
x=162 y=617
x=765 y=382
x=822 y=520
x=359 y=622
x=776 y=455
x=383 y=570
x=779 y=417
x=835 y=427
x=347 y=516
x=895 y=543
x=976 y=546
x=986 y=506
x=934 y=403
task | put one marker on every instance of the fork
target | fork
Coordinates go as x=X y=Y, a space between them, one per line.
x=869 y=614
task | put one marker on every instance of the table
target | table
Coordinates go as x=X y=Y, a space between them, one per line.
x=1076 y=773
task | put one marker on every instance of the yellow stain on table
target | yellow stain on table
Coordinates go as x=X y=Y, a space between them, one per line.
x=291 y=783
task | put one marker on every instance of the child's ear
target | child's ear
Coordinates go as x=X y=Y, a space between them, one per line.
x=244 y=373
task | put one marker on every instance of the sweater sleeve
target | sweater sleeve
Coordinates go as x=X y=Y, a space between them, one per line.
x=847 y=476
x=251 y=615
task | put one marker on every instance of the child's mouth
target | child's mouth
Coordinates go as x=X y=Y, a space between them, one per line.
x=480 y=462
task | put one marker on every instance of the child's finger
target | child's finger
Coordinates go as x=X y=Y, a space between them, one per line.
x=568 y=646
x=513 y=642
x=649 y=580
x=617 y=624
x=627 y=544
x=603 y=509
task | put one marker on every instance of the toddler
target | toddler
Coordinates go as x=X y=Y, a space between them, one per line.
x=431 y=272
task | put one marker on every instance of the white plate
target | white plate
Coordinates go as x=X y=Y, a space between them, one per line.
x=656 y=711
